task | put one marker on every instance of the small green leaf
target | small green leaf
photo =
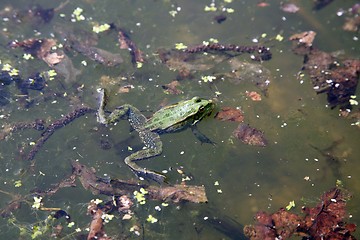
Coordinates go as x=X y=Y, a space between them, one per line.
x=18 y=183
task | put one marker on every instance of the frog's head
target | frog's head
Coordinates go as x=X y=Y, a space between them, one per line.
x=201 y=108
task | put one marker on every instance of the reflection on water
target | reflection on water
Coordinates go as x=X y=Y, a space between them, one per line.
x=309 y=147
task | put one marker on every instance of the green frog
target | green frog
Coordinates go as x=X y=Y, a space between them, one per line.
x=168 y=119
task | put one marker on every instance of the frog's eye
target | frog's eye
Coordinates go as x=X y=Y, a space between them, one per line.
x=197 y=100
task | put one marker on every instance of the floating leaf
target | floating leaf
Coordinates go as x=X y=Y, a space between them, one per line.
x=230 y=114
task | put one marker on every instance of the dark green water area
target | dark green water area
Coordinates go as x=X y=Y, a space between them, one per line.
x=278 y=158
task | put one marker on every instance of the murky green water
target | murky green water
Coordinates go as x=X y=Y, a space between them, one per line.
x=292 y=116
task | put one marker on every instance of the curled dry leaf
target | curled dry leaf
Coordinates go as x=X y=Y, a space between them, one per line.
x=230 y=114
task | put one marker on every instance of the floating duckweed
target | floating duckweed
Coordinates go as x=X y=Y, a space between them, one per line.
x=143 y=191
x=37 y=202
x=97 y=201
x=78 y=230
x=36 y=232
x=173 y=13
x=291 y=205
x=339 y=183
x=208 y=78
x=27 y=56
x=6 y=67
x=18 y=183
x=263 y=35
x=210 y=8
x=230 y=10
x=279 y=37
x=140 y=196
x=101 y=28
x=216 y=183
x=107 y=217
x=151 y=219
x=352 y=100
x=164 y=204
x=135 y=229
x=51 y=74
x=70 y=224
x=77 y=14
x=228 y=1
x=14 y=72
x=213 y=40
x=180 y=46
x=139 y=64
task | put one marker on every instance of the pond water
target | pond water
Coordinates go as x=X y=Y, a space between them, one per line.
x=309 y=145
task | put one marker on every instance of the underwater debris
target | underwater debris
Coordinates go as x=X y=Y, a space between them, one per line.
x=327 y=218
x=8 y=129
x=175 y=193
x=41 y=48
x=264 y=53
x=98 y=55
x=125 y=41
x=338 y=79
x=250 y=135
x=62 y=122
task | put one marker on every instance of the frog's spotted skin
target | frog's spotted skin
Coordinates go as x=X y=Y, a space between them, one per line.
x=168 y=119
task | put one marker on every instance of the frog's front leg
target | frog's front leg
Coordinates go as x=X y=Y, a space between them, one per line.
x=153 y=148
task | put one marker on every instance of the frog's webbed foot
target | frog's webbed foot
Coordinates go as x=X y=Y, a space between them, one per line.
x=200 y=136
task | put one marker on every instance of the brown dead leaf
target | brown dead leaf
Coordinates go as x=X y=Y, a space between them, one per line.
x=53 y=58
x=253 y=95
x=171 y=88
x=250 y=135
x=304 y=38
x=230 y=114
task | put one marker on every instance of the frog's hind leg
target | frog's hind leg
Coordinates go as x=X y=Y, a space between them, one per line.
x=153 y=148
